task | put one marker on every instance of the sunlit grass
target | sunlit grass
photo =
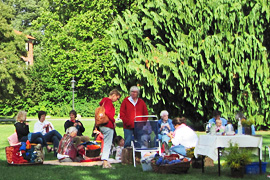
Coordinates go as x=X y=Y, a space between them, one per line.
x=47 y=172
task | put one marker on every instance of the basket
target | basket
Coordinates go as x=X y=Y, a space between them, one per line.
x=93 y=153
x=172 y=157
x=14 y=157
x=176 y=168
x=254 y=168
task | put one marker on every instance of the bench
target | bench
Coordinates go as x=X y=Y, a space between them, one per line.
x=7 y=121
x=34 y=144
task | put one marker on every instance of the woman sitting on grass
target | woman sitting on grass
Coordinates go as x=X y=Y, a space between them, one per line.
x=22 y=129
x=67 y=150
x=183 y=137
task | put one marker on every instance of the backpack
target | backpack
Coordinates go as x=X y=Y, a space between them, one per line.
x=101 y=118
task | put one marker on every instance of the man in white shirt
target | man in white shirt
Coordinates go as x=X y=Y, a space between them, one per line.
x=47 y=130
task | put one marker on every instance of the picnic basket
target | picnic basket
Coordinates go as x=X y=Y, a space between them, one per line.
x=93 y=152
x=175 y=168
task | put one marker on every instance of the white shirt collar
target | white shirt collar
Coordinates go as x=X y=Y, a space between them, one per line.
x=132 y=101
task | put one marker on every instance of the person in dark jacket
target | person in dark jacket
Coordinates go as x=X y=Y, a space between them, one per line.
x=79 y=125
x=23 y=133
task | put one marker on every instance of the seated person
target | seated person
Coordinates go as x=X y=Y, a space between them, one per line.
x=147 y=137
x=67 y=150
x=183 y=137
x=47 y=130
x=119 y=142
x=219 y=128
x=22 y=129
x=78 y=124
x=217 y=115
x=98 y=136
x=165 y=126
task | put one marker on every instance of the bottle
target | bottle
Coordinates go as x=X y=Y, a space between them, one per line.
x=207 y=128
x=213 y=129
x=239 y=127
x=28 y=144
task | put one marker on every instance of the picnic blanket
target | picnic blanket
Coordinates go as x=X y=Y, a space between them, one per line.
x=94 y=163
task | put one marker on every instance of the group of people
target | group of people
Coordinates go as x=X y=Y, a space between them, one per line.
x=43 y=131
x=68 y=147
x=221 y=123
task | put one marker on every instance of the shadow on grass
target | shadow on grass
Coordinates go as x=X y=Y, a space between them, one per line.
x=50 y=172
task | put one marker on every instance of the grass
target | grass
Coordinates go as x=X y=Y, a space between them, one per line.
x=47 y=172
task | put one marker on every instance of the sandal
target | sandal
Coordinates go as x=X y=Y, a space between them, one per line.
x=107 y=166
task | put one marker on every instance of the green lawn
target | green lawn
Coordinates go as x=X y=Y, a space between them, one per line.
x=47 y=172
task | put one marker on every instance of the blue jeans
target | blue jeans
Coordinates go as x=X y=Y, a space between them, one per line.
x=164 y=138
x=108 y=137
x=54 y=137
x=37 y=138
x=128 y=137
x=179 y=149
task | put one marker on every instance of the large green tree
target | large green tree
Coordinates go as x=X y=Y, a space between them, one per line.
x=75 y=44
x=192 y=57
x=71 y=40
x=12 y=68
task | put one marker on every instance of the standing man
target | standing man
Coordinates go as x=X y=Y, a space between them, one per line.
x=131 y=107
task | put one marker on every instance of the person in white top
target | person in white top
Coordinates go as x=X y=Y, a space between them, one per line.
x=47 y=130
x=183 y=137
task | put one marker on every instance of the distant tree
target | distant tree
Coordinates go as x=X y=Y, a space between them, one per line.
x=12 y=47
x=25 y=11
x=75 y=43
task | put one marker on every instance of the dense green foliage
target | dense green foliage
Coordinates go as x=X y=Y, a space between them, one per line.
x=12 y=68
x=189 y=57
x=25 y=11
x=192 y=57
x=71 y=41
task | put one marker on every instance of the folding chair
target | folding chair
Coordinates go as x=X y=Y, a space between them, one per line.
x=145 y=135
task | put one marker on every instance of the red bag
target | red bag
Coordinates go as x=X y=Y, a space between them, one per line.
x=101 y=118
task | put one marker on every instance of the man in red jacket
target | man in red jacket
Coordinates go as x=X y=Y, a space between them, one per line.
x=131 y=107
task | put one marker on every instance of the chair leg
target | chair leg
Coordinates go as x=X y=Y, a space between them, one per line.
x=159 y=148
x=133 y=153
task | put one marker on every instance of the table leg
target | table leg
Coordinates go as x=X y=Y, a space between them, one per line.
x=203 y=164
x=264 y=153
x=219 y=161
x=260 y=161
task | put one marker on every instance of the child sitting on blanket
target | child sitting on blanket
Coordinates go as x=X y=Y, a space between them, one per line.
x=98 y=136
x=219 y=128
x=119 y=141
